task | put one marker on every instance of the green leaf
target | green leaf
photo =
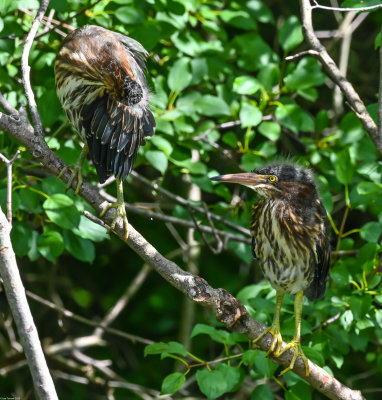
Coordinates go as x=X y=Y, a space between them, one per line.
x=371 y=232
x=250 y=115
x=220 y=336
x=262 y=392
x=378 y=317
x=239 y=19
x=21 y=236
x=82 y=249
x=173 y=382
x=175 y=348
x=211 y=383
x=246 y=85
x=233 y=376
x=179 y=76
x=130 y=15
x=157 y=159
x=249 y=357
x=61 y=210
x=50 y=245
x=156 y=348
x=344 y=167
x=212 y=105
x=82 y=297
x=270 y=130
x=290 y=34
x=306 y=75
x=89 y=230
x=162 y=144
x=294 y=118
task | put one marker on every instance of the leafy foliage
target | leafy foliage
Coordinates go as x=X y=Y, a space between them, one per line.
x=225 y=100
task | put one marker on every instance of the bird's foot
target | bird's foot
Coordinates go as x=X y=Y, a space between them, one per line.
x=276 y=341
x=77 y=173
x=121 y=212
x=294 y=344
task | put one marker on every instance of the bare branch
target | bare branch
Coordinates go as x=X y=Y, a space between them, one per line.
x=187 y=204
x=345 y=9
x=9 y=164
x=7 y=106
x=334 y=73
x=302 y=54
x=25 y=68
x=83 y=320
x=228 y=310
x=26 y=328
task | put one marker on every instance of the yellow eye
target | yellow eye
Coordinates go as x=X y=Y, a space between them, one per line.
x=272 y=178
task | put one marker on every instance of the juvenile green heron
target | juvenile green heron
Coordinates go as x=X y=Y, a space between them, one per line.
x=100 y=81
x=290 y=238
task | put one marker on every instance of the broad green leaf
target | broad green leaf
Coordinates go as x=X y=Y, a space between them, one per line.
x=306 y=75
x=246 y=85
x=378 y=317
x=211 y=383
x=61 y=210
x=344 y=167
x=262 y=392
x=270 y=130
x=239 y=19
x=233 y=376
x=50 y=245
x=371 y=232
x=212 y=105
x=82 y=249
x=175 y=348
x=290 y=34
x=89 y=230
x=130 y=15
x=156 y=348
x=173 y=382
x=21 y=236
x=294 y=118
x=157 y=159
x=250 y=115
x=179 y=76
x=249 y=357
x=162 y=144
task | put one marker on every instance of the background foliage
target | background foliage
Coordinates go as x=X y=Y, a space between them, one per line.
x=213 y=62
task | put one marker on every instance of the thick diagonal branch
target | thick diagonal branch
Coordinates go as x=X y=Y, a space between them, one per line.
x=227 y=309
x=335 y=74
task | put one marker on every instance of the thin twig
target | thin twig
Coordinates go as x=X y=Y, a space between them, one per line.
x=334 y=73
x=83 y=320
x=7 y=106
x=187 y=204
x=9 y=165
x=345 y=9
x=21 y=313
x=25 y=68
x=178 y=221
x=309 y=52
x=124 y=299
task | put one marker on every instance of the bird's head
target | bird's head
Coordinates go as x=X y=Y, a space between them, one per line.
x=277 y=181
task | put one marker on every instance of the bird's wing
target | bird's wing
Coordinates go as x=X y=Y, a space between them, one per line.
x=322 y=247
x=114 y=132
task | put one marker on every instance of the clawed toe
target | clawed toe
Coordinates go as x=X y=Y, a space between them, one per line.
x=296 y=346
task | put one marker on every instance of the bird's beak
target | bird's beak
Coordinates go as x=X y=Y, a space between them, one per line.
x=246 y=178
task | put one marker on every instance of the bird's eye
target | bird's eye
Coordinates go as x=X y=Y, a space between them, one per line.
x=272 y=178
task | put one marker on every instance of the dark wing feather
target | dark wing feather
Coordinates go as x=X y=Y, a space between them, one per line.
x=317 y=288
x=114 y=132
x=253 y=247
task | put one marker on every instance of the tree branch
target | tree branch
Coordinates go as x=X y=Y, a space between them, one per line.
x=334 y=73
x=25 y=68
x=228 y=310
x=26 y=328
x=345 y=9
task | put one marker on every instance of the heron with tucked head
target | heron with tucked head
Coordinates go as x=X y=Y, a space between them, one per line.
x=101 y=83
x=290 y=239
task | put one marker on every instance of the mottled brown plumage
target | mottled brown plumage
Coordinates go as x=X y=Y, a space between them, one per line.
x=290 y=238
x=100 y=81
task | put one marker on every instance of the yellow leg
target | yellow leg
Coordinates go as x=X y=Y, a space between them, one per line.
x=274 y=329
x=77 y=170
x=296 y=341
x=119 y=205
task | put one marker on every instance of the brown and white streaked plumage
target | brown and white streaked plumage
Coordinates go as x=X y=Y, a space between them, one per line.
x=100 y=81
x=290 y=238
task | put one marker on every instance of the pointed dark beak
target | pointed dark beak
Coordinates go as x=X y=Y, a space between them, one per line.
x=246 y=178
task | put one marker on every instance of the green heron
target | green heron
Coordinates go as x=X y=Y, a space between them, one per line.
x=290 y=238
x=101 y=83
